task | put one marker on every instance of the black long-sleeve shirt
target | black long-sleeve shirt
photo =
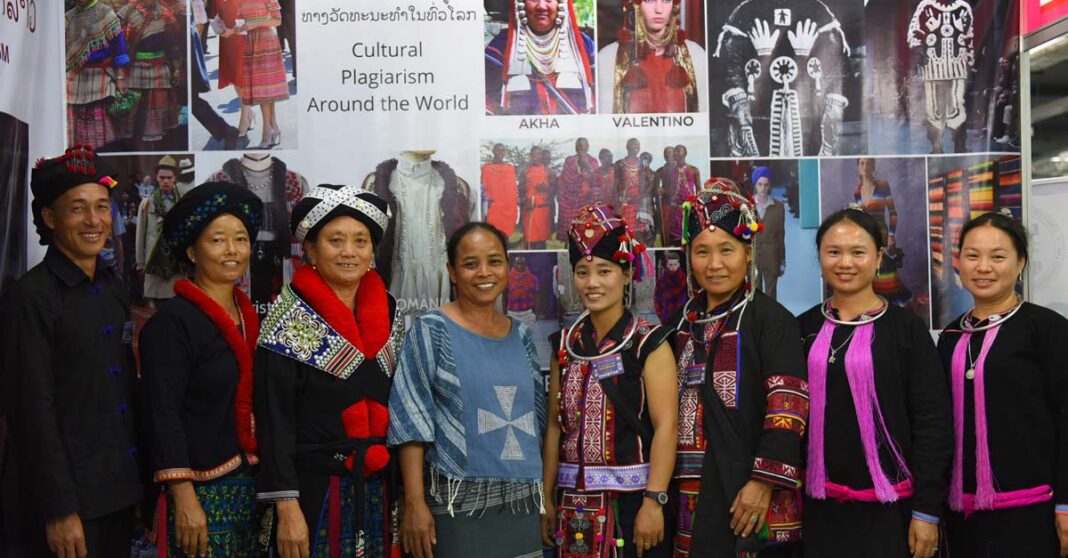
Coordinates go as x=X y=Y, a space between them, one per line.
x=1026 y=385
x=190 y=377
x=68 y=379
x=913 y=396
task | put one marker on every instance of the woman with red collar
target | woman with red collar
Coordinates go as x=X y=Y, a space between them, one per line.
x=196 y=356
x=324 y=370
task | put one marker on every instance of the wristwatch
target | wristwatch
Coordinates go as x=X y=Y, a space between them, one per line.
x=658 y=497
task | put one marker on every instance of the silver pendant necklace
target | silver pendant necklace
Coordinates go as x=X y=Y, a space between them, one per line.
x=970 y=372
x=832 y=359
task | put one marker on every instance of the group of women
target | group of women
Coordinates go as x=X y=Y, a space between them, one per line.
x=712 y=434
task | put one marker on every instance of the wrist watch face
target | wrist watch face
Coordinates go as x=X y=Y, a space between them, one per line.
x=659 y=497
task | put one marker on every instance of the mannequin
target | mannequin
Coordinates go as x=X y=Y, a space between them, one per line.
x=274 y=252
x=412 y=257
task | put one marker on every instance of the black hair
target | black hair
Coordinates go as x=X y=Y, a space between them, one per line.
x=454 y=240
x=859 y=218
x=1002 y=222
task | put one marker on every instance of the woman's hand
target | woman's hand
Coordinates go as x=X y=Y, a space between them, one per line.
x=227 y=33
x=190 y=523
x=417 y=529
x=923 y=538
x=648 y=526
x=750 y=508
x=549 y=524
x=1062 y=533
x=292 y=530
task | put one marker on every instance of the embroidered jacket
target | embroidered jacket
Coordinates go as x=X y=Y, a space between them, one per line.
x=756 y=372
x=600 y=448
x=320 y=400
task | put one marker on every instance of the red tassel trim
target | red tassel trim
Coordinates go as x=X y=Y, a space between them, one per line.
x=242 y=349
x=677 y=77
x=635 y=78
x=369 y=327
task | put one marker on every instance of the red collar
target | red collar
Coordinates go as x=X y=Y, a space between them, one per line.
x=242 y=349
x=367 y=328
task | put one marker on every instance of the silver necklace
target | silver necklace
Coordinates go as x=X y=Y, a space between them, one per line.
x=970 y=372
x=578 y=323
x=714 y=317
x=862 y=319
x=831 y=359
x=993 y=321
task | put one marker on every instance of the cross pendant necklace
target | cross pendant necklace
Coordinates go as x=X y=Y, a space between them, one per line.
x=832 y=359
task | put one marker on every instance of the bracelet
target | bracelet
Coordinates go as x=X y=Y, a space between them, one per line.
x=925 y=518
x=1061 y=509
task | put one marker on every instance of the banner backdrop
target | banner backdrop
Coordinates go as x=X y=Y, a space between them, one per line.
x=521 y=111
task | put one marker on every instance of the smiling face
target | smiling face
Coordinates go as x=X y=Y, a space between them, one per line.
x=80 y=220
x=342 y=252
x=719 y=262
x=541 y=14
x=600 y=283
x=222 y=250
x=848 y=258
x=498 y=153
x=633 y=147
x=480 y=271
x=990 y=265
x=656 y=14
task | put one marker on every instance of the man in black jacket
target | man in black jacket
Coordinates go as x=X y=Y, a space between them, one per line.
x=69 y=373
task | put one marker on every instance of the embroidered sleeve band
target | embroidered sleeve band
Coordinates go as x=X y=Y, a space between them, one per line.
x=776 y=472
x=787 y=404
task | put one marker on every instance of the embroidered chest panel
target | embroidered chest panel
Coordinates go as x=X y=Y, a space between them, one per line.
x=292 y=328
x=587 y=415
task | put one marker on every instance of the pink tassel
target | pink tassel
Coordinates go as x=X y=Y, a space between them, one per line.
x=956 y=483
x=816 y=474
x=985 y=494
x=860 y=372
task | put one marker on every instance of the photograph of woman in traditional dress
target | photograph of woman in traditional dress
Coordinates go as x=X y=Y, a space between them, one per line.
x=653 y=60
x=539 y=57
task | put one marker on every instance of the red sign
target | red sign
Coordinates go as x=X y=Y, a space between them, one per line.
x=1039 y=13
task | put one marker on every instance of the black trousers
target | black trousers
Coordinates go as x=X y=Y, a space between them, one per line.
x=210 y=119
x=105 y=537
x=1028 y=531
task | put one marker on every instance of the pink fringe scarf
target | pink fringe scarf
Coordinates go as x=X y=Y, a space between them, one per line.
x=984 y=475
x=860 y=372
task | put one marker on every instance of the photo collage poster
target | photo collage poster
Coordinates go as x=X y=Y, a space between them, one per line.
x=519 y=113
